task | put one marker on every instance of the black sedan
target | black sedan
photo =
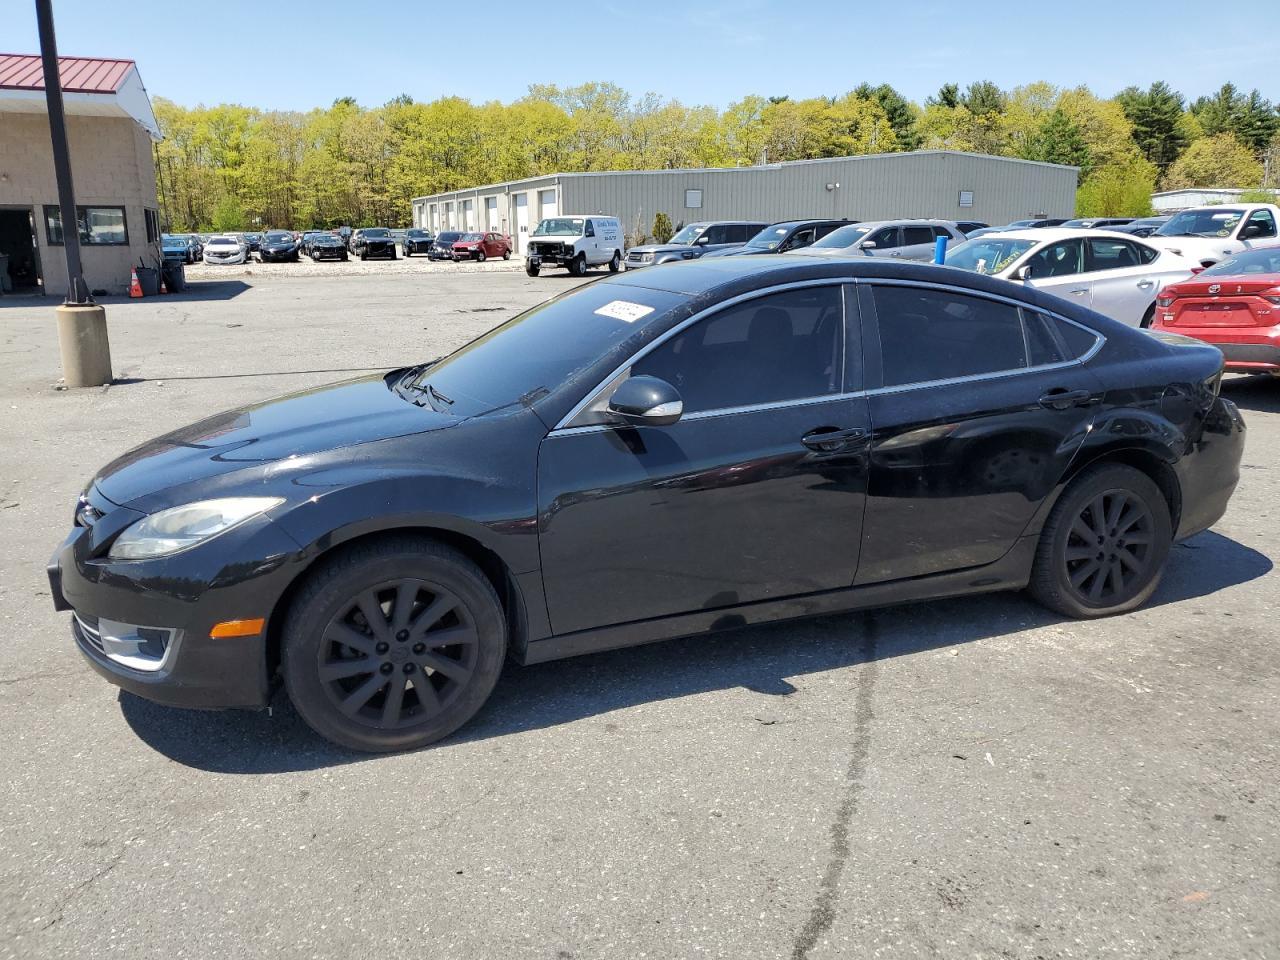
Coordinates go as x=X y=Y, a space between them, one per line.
x=417 y=241
x=371 y=242
x=327 y=246
x=691 y=448
x=277 y=246
x=784 y=237
x=442 y=246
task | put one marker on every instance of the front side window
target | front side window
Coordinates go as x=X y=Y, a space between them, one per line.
x=1261 y=224
x=1061 y=259
x=590 y=230
x=782 y=346
x=98 y=226
x=928 y=335
x=885 y=239
x=801 y=238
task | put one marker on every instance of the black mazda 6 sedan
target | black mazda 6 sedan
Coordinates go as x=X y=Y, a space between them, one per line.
x=690 y=448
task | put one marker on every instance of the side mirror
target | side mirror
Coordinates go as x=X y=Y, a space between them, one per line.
x=1251 y=231
x=647 y=400
x=867 y=245
x=1023 y=272
x=704 y=239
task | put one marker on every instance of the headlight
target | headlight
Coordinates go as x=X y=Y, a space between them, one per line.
x=178 y=528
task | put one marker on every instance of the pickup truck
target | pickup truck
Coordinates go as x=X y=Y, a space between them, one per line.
x=1207 y=234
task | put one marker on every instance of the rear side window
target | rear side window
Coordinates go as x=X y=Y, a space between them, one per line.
x=928 y=335
x=911 y=236
x=782 y=346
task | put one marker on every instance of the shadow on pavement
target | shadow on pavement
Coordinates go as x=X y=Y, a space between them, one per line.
x=759 y=658
x=195 y=290
x=1260 y=393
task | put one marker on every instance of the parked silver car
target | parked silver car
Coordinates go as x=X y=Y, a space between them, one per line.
x=902 y=239
x=693 y=241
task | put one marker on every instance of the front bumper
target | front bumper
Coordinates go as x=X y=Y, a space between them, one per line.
x=387 y=250
x=277 y=256
x=177 y=601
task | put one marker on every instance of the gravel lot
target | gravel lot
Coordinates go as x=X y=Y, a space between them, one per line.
x=972 y=778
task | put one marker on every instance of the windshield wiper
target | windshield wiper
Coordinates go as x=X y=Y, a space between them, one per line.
x=436 y=394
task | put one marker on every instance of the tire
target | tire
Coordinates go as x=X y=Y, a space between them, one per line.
x=480 y=257
x=1148 y=317
x=615 y=264
x=532 y=271
x=1118 y=512
x=345 y=258
x=364 y=255
x=578 y=265
x=506 y=254
x=342 y=668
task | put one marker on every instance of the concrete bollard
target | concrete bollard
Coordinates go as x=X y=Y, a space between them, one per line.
x=82 y=339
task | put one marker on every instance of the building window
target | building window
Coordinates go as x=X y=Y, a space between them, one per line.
x=966 y=198
x=153 y=225
x=693 y=199
x=99 y=226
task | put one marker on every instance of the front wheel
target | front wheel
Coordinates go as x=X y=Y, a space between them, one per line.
x=616 y=263
x=394 y=645
x=480 y=256
x=578 y=265
x=363 y=255
x=1104 y=546
x=531 y=270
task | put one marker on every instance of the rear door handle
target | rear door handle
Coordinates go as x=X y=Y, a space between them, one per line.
x=831 y=439
x=1062 y=399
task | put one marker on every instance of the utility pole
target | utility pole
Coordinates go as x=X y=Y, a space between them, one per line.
x=82 y=324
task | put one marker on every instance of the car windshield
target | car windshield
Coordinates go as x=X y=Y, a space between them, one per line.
x=469 y=237
x=1209 y=222
x=278 y=236
x=988 y=255
x=1264 y=260
x=844 y=237
x=377 y=232
x=560 y=227
x=224 y=242
x=770 y=238
x=689 y=234
x=1022 y=223
x=417 y=233
x=447 y=237
x=538 y=351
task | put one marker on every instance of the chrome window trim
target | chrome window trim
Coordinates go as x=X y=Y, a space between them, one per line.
x=717 y=412
x=594 y=392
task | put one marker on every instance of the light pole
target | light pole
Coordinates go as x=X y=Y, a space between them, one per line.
x=82 y=324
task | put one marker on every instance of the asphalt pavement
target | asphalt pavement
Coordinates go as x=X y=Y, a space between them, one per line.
x=972 y=778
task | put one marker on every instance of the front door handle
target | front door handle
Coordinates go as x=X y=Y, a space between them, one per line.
x=1146 y=284
x=1080 y=291
x=831 y=439
x=1062 y=399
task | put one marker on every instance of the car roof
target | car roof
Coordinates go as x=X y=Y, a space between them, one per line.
x=904 y=222
x=811 y=223
x=1049 y=234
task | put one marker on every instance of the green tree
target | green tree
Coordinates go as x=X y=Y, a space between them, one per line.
x=1215 y=161
x=662 y=229
x=1256 y=123
x=897 y=109
x=1059 y=141
x=1156 y=115
x=982 y=98
x=948 y=96
x=1219 y=113
x=228 y=214
x=1118 y=190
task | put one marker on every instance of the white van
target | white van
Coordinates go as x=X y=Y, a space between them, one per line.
x=576 y=242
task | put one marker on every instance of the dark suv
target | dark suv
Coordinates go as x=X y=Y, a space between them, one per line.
x=784 y=237
x=373 y=242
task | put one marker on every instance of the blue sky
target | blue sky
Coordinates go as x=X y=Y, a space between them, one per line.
x=303 y=53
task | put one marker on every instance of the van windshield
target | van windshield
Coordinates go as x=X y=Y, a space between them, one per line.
x=560 y=227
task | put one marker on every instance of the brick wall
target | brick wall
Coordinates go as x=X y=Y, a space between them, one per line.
x=111 y=165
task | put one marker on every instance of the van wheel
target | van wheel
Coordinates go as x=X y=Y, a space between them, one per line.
x=393 y=646
x=1104 y=546
x=578 y=265
x=616 y=263
x=531 y=270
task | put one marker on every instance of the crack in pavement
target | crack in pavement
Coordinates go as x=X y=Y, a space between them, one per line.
x=823 y=913
x=81 y=887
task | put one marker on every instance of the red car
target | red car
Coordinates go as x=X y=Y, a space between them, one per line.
x=1234 y=305
x=482 y=246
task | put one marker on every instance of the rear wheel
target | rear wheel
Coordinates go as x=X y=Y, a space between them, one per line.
x=1148 y=316
x=1104 y=546
x=393 y=646
x=616 y=263
x=506 y=254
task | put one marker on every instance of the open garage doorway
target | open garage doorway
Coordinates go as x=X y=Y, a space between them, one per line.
x=19 y=258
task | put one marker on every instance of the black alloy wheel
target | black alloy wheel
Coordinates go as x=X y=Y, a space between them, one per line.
x=394 y=645
x=1104 y=546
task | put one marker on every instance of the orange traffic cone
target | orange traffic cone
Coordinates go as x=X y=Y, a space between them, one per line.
x=163 y=288
x=135 y=288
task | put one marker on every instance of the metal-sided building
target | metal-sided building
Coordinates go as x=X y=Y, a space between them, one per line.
x=926 y=183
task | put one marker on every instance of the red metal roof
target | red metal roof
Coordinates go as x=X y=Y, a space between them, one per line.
x=20 y=71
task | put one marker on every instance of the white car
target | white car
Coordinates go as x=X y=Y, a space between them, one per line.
x=576 y=242
x=1207 y=234
x=226 y=249
x=1116 y=275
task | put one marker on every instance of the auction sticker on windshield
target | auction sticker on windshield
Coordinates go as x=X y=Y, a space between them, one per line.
x=624 y=310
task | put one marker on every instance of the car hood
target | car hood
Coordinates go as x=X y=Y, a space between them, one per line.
x=284 y=429
x=661 y=248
